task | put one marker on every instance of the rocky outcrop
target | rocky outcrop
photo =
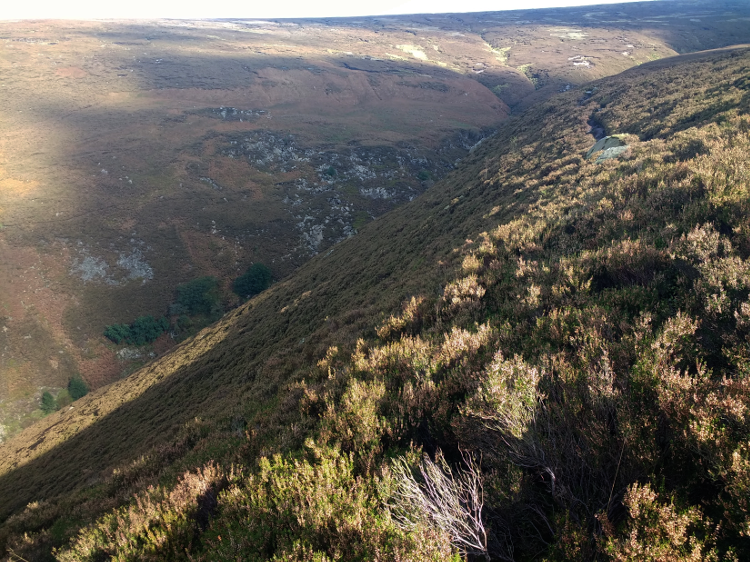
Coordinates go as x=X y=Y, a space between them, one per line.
x=607 y=148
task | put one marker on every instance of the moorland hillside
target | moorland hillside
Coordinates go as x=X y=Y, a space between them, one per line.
x=545 y=356
x=138 y=156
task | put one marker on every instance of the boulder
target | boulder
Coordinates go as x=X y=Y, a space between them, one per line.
x=605 y=144
x=613 y=152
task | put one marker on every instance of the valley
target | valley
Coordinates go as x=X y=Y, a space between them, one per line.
x=136 y=156
x=458 y=275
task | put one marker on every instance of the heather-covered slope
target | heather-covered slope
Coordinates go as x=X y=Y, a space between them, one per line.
x=139 y=155
x=569 y=337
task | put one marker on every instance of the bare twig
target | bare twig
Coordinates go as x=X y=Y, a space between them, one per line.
x=16 y=557
x=609 y=501
x=450 y=502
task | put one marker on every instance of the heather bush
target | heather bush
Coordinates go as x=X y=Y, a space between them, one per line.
x=158 y=524
x=659 y=530
x=313 y=509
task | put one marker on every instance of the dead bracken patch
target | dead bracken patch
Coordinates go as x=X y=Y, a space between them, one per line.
x=71 y=72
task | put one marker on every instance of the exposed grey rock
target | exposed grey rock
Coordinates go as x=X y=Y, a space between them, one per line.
x=232 y=113
x=605 y=144
x=211 y=182
x=89 y=268
x=312 y=235
x=609 y=153
x=129 y=353
x=375 y=193
x=337 y=183
x=93 y=268
x=136 y=266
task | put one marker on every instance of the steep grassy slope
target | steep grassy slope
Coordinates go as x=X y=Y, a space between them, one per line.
x=135 y=156
x=579 y=330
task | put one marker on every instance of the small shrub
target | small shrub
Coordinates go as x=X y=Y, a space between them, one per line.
x=361 y=218
x=198 y=297
x=63 y=398
x=77 y=387
x=184 y=323
x=49 y=404
x=147 y=329
x=256 y=280
x=450 y=503
x=117 y=333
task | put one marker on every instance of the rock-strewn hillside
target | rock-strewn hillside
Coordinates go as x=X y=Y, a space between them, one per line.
x=541 y=357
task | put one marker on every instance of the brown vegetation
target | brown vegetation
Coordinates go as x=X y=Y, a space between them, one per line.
x=131 y=139
x=583 y=326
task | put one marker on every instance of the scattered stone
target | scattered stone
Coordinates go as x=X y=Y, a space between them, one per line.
x=89 y=268
x=210 y=182
x=136 y=266
x=375 y=193
x=129 y=354
x=232 y=113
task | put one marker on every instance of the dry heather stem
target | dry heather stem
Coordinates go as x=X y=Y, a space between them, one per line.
x=450 y=503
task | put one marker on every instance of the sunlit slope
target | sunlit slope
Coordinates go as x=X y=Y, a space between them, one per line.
x=620 y=289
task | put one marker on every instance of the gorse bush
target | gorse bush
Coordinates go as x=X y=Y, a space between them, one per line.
x=48 y=404
x=256 y=279
x=77 y=387
x=145 y=329
x=198 y=297
x=117 y=333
